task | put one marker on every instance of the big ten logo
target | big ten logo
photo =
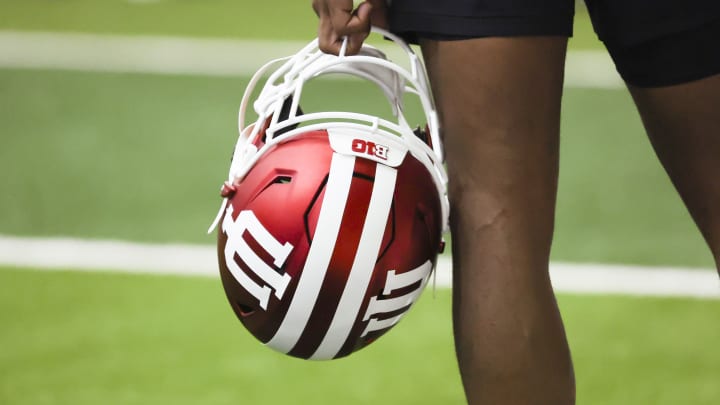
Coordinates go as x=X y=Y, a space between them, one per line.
x=393 y=282
x=272 y=278
x=370 y=148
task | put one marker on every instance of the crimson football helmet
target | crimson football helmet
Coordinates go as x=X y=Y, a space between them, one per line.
x=332 y=221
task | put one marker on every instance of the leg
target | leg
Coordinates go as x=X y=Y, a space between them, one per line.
x=499 y=100
x=683 y=123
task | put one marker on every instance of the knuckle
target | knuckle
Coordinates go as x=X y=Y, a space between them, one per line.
x=327 y=47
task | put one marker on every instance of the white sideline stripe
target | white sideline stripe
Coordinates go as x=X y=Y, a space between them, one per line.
x=213 y=57
x=99 y=255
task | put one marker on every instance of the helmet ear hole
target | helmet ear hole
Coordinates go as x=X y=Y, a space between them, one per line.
x=244 y=310
x=282 y=180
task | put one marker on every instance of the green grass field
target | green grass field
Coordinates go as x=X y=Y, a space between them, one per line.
x=287 y=19
x=141 y=157
x=78 y=338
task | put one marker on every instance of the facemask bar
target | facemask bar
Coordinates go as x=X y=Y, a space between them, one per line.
x=310 y=62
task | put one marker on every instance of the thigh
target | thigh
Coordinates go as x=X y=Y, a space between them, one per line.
x=499 y=100
x=673 y=72
x=496 y=68
x=683 y=123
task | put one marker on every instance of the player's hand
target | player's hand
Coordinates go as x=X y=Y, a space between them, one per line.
x=339 y=19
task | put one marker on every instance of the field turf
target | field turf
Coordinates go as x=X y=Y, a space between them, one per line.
x=79 y=338
x=141 y=157
x=285 y=19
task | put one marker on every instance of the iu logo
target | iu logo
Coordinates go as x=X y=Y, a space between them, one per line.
x=380 y=306
x=370 y=148
x=236 y=244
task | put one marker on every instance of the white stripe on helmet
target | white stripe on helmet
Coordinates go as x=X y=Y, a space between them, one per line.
x=321 y=250
x=363 y=264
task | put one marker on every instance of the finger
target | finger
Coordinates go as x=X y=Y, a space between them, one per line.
x=347 y=21
x=356 y=30
x=317 y=6
x=338 y=19
x=355 y=42
x=332 y=44
x=326 y=35
x=328 y=40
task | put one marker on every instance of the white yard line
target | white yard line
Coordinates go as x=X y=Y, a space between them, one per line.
x=100 y=255
x=219 y=57
x=212 y=57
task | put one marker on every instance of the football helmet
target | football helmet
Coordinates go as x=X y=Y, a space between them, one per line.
x=331 y=221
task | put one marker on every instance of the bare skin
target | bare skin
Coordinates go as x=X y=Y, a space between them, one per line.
x=683 y=123
x=500 y=114
x=338 y=18
x=499 y=100
x=501 y=143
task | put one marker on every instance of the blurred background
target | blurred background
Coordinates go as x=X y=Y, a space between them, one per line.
x=117 y=120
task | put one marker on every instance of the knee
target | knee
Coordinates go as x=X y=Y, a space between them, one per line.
x=500 y=209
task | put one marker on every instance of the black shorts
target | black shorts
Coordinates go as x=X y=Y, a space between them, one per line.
x=653 y=42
